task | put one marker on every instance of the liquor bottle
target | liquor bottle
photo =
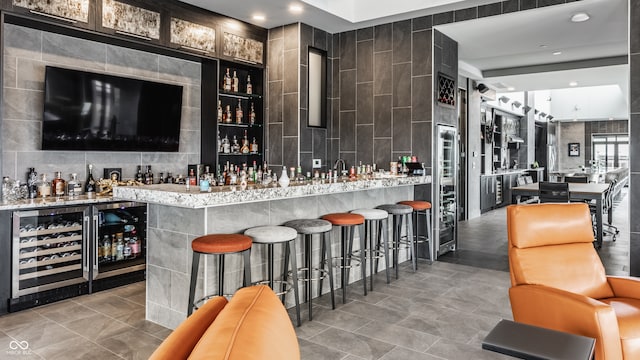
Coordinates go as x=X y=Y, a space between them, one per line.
x=90 y=184
x=226 y=86
x=119 y=247
x=114 y=247
x=227 y=114
x=252 y=115
x=259 y=175
x=126 y=250
x=226 y=146
x=170 y=178
x=161 y=179
x=44 y=186
x=73 y=186
x=139 y=175
x=235 y=147
x=58 y=185
x=235 y=82
x=299 y=177
x=135 y=246
x=192 y=178
x=239 y=113
x=219 y=111
x=106 y=248
x=32 y=178
x=220 y=176
x=249 y=86
x=148 y=176
x=245 y=144
x=254 y=147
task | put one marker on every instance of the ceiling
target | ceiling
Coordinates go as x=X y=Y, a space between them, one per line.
x=503 y=51
x=593 y=52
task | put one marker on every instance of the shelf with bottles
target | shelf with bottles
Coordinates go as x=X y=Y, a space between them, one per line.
x=240 y=112
x=49 y=245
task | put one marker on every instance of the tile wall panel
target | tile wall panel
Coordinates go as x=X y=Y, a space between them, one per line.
x=31 y=50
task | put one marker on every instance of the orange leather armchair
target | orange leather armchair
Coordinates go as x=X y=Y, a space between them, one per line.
x=253 y=325
x=558 y=281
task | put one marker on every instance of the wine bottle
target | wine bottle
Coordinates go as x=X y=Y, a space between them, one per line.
x=90 y=184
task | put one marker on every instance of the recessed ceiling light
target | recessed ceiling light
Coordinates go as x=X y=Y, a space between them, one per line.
x=580 y=17
x=295 y=8
x=573 y=83
x=258 y=17
x=511 y=88
x=557 y=53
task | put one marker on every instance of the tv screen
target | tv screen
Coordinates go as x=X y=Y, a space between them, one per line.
x=91 y=111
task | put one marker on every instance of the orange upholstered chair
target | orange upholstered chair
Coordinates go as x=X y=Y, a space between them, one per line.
x=558 y=281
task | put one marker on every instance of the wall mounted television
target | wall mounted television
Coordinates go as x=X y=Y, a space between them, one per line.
x=92 y=111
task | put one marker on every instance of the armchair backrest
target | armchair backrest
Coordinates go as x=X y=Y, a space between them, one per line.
x=552 y=245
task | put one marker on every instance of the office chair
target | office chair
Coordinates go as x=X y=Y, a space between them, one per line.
x=576 y=179
x=551 y=192
x=558 y=281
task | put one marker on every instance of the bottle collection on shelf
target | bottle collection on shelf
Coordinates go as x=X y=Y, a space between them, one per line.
x=233 y=147
x=225 y=116
x=232 y=83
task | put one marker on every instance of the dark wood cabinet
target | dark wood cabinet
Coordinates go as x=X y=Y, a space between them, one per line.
x=232 y=115
x=487 y=193
x=77 y=13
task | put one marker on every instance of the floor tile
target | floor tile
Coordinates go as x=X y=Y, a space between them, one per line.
x=398 y=335
x=131 y=344
x=76 y=349
x=313 y=351
x=97 y=326
x=348 y=342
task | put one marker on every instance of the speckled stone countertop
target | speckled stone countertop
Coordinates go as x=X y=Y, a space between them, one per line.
x=178 y=195
x=51 y=201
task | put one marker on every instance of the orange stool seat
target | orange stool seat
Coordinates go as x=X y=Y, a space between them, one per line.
x=348 y=223
x=341 y=219
x=417 y=205
x=221 y=243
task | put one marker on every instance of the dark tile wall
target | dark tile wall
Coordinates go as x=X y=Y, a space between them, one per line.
x=384 y=92
x=634 y=132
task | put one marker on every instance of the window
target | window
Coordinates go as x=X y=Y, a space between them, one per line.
x=610 y=151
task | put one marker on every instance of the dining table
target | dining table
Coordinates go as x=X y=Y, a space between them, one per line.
x=577 y=192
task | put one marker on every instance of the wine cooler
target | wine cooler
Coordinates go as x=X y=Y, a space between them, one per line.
x=446 y=190
x=62 y=252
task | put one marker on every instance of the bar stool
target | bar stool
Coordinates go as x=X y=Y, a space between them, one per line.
x=421 y=208
x=380 y=218
x=307 y=228
x=400 y=213
x=348 y=222
x=270 y=235
x=218 y=244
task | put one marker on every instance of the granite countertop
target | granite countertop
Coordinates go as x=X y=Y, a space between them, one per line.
x=52 y=201
x=178 y=195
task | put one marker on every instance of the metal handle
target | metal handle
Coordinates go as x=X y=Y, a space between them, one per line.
x=194 y=49
x=142 y=37
x=95 y=242
x=70 y=21
x=245 y=61
x=85 y=248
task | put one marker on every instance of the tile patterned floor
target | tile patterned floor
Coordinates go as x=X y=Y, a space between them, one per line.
x=443 y=311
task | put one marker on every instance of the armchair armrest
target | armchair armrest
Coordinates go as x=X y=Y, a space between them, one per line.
x=561 y=310
x=624 y=286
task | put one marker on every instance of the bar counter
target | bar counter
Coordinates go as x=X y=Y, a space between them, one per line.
x=177 y=215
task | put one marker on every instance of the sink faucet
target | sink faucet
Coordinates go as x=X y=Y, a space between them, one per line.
x=343 y=169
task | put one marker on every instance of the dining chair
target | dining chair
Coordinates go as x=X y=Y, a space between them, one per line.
x=552 y=192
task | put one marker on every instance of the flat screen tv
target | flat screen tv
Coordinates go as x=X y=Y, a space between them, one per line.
x=91 y=111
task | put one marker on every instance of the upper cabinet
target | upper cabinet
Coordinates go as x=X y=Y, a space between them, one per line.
x=170 y=24
x=130 y=19
x=240 y=48
x=80 y=13
x=193 y=37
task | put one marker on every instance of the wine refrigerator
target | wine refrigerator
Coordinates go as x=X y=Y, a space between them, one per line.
x=62 y=252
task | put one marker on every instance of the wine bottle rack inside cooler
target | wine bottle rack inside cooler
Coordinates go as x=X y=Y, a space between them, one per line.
x=49 y=249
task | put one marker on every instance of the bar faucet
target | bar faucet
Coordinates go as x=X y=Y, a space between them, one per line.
x=343 y=170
